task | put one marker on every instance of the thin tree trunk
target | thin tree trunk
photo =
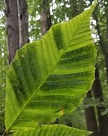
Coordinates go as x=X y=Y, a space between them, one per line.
x=90 y=116
x=11 y=13
x=106 y=14
x=45 y=17
x=103 y=120
x=98 y=94
x=23 y=22
x=102 y=45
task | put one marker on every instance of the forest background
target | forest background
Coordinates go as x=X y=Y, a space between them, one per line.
x=31 y=19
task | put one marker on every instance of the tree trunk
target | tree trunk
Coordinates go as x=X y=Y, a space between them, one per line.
x=91 y=118
x=17 y=26
x=45 y=17
x=103 y=119
x=102 y=45
x=106 y=62
x=11 y=13
x=23 y=22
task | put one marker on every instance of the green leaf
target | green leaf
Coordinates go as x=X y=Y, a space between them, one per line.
x=50 y=77
x=53 y=130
